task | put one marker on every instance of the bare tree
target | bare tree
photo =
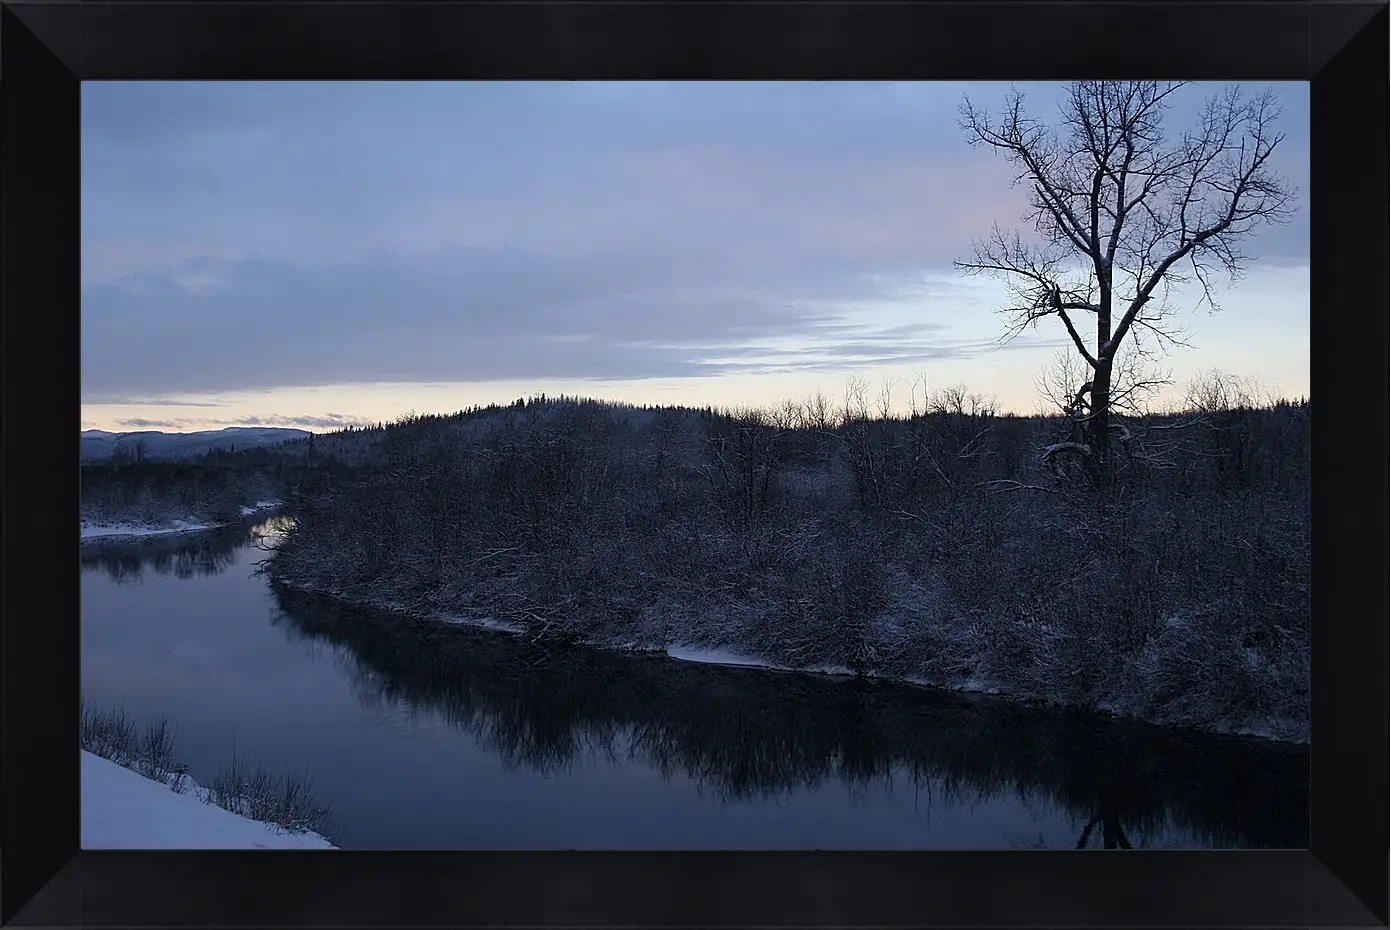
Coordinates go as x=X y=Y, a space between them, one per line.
x=1057 y=383
x=1123 y=214
x=818 y=412
x=1217 y=390
x=859 y=438
x=743 y=445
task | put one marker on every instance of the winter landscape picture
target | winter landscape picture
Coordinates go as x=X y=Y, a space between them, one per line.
x=607 y=465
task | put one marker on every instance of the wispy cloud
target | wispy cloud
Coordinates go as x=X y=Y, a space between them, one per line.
x=885 y=350
x=143 y=423
x=326 y=421
x=194 y=424
x=465 y=315
x=148 y=402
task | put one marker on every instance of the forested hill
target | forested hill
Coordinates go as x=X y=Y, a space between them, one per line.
x=359 y=446
x=152 y=479
x=938 y=546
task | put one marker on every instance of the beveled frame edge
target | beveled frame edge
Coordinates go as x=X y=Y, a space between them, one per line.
x=40 y=315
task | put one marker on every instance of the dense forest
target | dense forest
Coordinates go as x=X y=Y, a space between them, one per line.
x=212 y=488
x=938 y=545
x=207 y=490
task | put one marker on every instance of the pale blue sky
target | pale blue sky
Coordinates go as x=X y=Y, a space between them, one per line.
x=319 y=253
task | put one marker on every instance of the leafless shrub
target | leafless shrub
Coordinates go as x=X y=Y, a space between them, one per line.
x=114 y=735
x=287 y=801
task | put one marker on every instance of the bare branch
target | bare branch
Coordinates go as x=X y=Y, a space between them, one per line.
x=1001 y=485
x=1123 y=211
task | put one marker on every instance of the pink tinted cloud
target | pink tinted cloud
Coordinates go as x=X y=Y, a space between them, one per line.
x=893 y=208
x=750 y=207
x=906 y=211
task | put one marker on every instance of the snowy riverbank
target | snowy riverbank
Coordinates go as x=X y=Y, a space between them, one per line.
x=91 y=530
x=122 y=809
x=107 y=530
x=1276 y=730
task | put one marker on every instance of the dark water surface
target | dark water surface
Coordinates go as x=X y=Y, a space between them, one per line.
x=430 y=737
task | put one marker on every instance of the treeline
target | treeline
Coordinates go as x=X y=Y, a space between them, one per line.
x=212 y=489
x=936 y=545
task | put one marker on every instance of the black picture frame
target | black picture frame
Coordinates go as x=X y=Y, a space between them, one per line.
x=47 y=48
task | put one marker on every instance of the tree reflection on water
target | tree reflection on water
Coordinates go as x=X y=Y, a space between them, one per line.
x=750 y=733
x=184 y=555
x=125 y=559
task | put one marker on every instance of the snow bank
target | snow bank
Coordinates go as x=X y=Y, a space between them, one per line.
x=397 y=606
x=483 y=623
x=124 y=810
x=716 y=657
x=719 y=656
x=98 y=530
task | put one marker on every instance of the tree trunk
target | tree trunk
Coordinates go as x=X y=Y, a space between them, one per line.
x=1101 y=414
x=1112 y=833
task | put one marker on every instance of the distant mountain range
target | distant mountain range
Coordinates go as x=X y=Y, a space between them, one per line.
x=99 y=444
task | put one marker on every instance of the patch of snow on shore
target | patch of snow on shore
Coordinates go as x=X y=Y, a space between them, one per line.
x=122 y=809
x=1280 y=731
x=718 y=656
x=484 y=623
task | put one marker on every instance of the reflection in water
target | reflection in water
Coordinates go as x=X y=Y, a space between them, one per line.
x=744 y=733
x=183 y=555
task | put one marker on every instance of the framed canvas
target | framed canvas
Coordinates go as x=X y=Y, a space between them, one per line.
x=48 y=49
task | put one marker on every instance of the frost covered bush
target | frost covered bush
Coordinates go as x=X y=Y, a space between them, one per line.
x=1195 y=671
x=114 y=735
x=287 y=801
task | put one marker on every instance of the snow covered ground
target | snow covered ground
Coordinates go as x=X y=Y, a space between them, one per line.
x=124 y=810
x=98 y=530
x=719 y=656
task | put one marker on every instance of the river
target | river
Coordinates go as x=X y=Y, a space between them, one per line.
x=424 y=736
